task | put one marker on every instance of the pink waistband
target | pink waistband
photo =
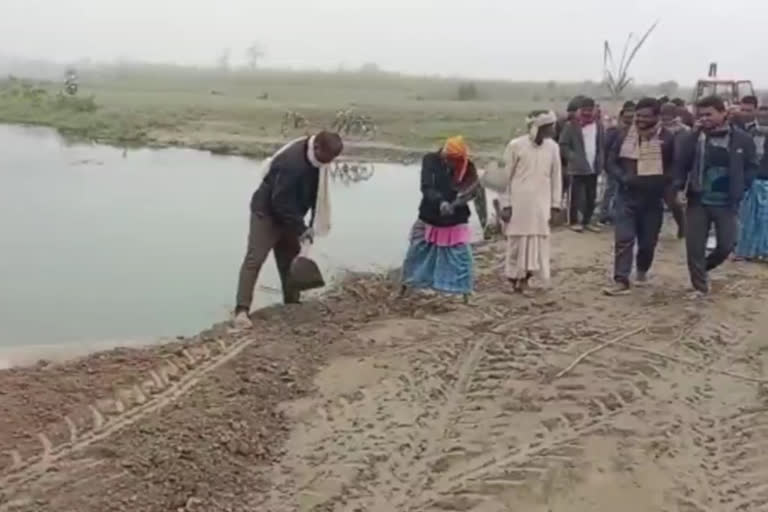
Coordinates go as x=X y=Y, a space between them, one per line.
x=448 y=236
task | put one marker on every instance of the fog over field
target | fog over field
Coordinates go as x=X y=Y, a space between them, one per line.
x=554 y=40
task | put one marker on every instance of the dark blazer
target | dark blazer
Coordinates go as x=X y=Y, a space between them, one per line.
x=760 y=136
x=742 y=169
x=437 y=185
x=762 y=172
x=611 y=134
x=572 y=150
x=289 y=189
x=625 y=170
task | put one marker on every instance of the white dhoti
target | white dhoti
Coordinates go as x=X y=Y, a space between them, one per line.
x=534 y=187
x=528 y=253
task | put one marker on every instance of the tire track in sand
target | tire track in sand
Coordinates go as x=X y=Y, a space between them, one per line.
x=462 y=423
x=441 y=424
x=731 y=439
x=384 y=431
x=164 y=385
x=492 y=454
x=739 y=468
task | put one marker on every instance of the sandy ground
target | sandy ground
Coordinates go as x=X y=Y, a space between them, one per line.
x=363 y=402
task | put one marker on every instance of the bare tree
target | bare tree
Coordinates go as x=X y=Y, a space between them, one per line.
x=254 y=54
x=618 y=79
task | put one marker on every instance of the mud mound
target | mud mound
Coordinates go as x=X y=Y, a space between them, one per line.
x=34 y=397
x=563 y=401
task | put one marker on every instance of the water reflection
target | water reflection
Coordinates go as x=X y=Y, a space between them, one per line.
x=104 y=247
x=352 y=172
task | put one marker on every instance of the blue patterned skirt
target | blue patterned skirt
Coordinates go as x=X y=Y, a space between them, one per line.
x=753 y=238
x=444 y=269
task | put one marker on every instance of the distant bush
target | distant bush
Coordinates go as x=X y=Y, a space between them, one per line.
x=28 y=91
x=668 y=88
x=467 y=91
x=370 y=68
x=76 y=103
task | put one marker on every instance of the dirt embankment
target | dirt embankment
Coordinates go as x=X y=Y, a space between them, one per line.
x=565 y=401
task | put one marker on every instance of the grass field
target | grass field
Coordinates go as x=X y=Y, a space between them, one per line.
x=242 y=112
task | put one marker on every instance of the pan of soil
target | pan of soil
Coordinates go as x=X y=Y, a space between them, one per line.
x=304 y=273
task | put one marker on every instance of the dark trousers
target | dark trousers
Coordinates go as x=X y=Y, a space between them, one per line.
x=638 y=220
x=566 y=182
x=608 y=203
x=699 y=219
x=583 y=198
x=670 y=198
x=265 y=236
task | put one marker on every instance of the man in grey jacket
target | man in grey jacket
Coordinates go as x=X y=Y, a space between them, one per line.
x=582 y=144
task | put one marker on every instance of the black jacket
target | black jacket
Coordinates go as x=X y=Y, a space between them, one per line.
x=762 y=172
x=742 y=169
x=759 y=136
x=289 y=190
x=437 y=185
x=559 y=126
x=572 y=149
x=625 y=170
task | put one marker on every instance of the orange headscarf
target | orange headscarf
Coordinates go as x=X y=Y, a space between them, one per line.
x=456 y=149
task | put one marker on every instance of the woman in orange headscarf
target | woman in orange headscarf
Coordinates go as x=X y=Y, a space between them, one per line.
x=439 y=256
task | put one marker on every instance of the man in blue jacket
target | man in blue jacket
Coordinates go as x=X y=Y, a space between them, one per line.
x=717 y=163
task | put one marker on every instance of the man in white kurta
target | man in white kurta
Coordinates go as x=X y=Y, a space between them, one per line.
x=535 y=190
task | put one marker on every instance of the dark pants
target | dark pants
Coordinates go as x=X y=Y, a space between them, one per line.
x=670 y=198
x=699 y=219
x=265 y=236
x=638 y=219
x=583 y=198
x=608 y=204
x=566 y=181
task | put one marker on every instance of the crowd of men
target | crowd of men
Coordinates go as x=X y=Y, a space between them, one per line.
x=708 y=165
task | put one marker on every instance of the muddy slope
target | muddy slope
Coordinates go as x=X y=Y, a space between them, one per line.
x=564 y=401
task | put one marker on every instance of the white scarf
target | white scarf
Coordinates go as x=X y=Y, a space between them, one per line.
x=648 y=155
x=543 y=119
x=322 y=212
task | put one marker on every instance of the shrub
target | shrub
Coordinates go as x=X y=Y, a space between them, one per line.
x=467 y=91
x=76 y=103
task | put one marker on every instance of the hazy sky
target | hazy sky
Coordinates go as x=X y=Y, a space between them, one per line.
x=536 y=40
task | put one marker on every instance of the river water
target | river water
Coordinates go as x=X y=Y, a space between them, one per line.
x=102 y=247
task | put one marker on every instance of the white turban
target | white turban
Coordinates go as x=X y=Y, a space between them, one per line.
x=536 y=122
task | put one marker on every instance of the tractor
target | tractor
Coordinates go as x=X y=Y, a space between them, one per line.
x=731 y=91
